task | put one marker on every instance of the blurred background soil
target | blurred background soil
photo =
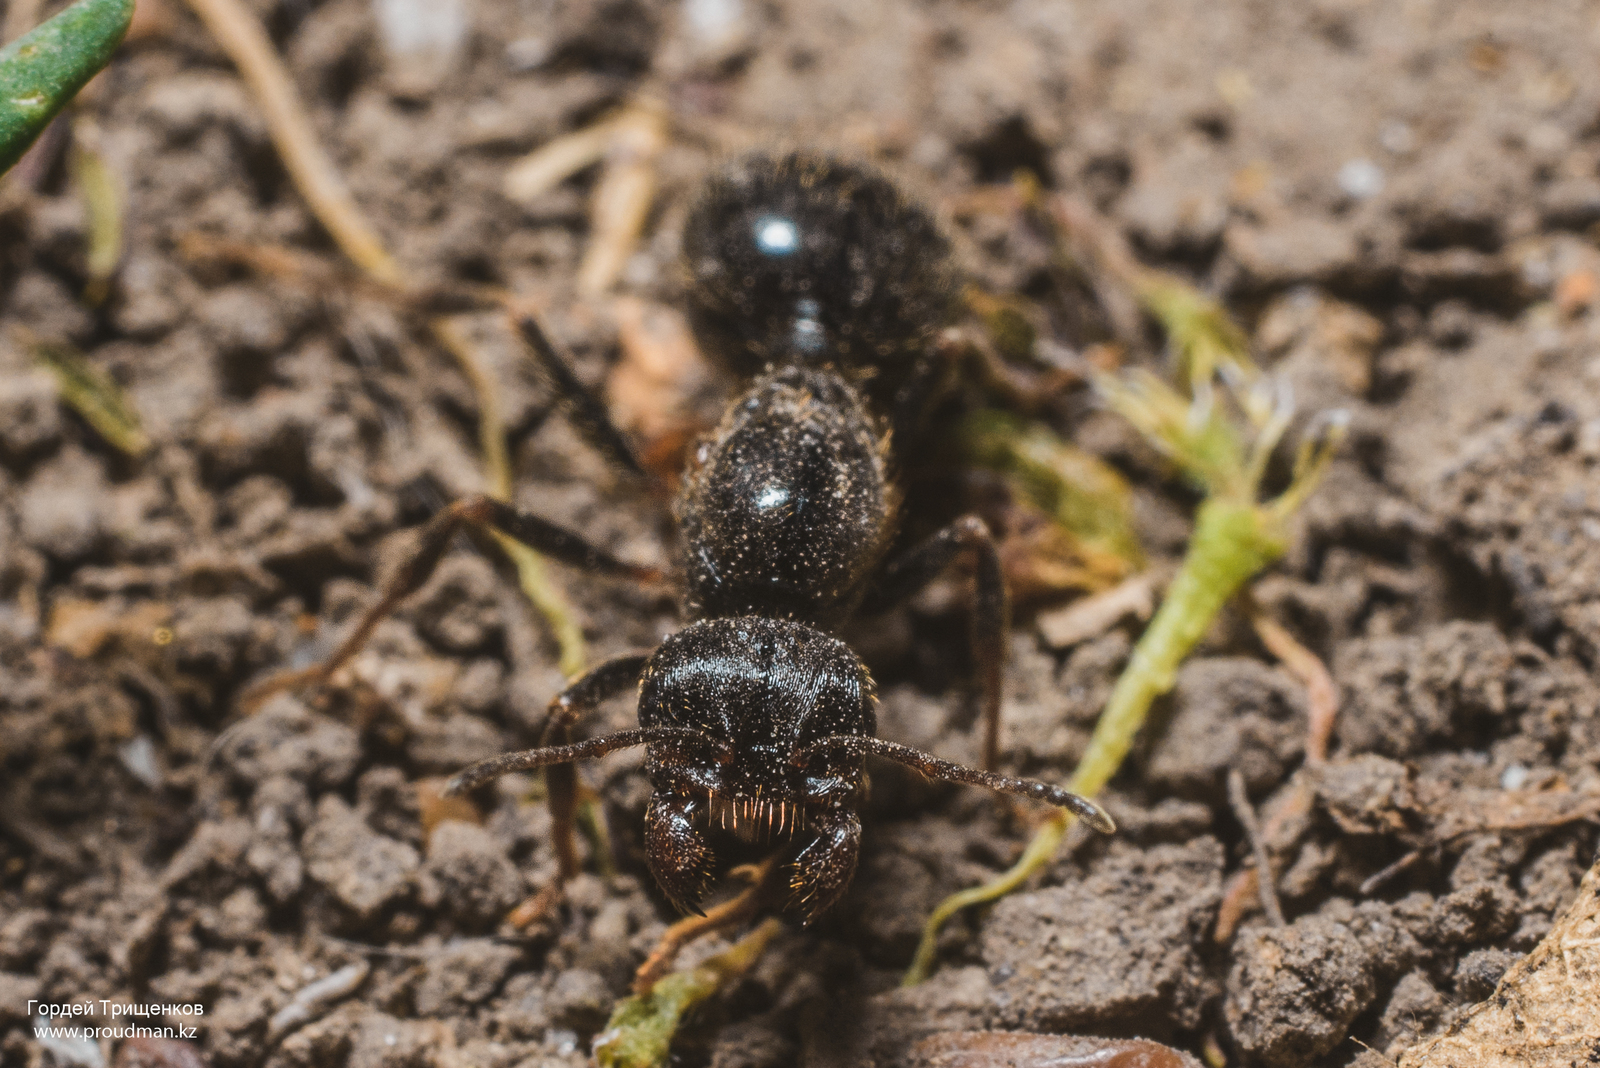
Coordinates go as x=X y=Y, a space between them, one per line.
x=1399 y=201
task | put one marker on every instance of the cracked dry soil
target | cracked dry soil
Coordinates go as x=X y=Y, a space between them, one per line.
x=1399 y=201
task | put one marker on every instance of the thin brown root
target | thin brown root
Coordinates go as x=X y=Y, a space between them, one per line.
x=254 y=697
x=312 y=272
x=555 y=161
x=1322 y=695
x=240 y=34
x=1235 y=900
x=1281 y=831
x=1322 y=699
x=629 y=142
x=731 y=913
x=1246 y=815
x=1376 y=882
x=1024 y=389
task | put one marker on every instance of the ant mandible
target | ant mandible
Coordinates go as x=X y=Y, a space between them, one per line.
x=825 y=283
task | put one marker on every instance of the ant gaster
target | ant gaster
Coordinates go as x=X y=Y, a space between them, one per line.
x=826 y=283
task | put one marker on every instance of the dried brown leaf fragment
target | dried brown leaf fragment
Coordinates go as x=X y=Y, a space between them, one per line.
x=1544 y=1013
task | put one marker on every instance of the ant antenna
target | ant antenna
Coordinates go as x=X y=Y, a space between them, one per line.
x=528 y=759
x=934 y=768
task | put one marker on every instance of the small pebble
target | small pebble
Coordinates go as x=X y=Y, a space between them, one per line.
x=1361 y=179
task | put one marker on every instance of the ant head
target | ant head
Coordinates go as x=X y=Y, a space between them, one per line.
x=806 y=259
x=758 y=694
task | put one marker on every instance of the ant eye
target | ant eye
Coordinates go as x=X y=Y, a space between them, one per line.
x=777 y=236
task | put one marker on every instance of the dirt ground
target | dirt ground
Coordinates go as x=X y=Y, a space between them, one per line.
x=1400 y=201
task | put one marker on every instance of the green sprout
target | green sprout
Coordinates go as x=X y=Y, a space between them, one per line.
x=1224 y=450
x=1234 y=539
x=1205 y=339
x=105 y=207
x=94 y=395
x=40 y=72
x=639 y=1033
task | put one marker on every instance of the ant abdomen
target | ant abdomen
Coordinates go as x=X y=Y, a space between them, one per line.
x=802 y=259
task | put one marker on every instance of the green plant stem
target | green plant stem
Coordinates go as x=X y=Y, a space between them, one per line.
x=1233 y=541
x=43 y=70
x=639 y=1033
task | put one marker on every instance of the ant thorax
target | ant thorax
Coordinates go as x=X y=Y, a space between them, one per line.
x=790 y=508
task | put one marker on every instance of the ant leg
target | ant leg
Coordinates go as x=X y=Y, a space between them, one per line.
x=582 y=408
x=991 y=616
x=477 y=511
x=561 y=780
x=823 y=869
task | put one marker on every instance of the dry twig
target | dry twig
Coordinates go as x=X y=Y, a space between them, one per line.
x=730 y=913
x=1288 y=815
x=1092 y=616
x=247 y=44
x=1246 y=815
x=1322 y=701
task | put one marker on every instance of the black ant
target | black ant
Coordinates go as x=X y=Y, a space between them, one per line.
x=825 y=282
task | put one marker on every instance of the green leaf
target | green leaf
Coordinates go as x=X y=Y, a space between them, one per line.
x=93 y=394
x=43 y=70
